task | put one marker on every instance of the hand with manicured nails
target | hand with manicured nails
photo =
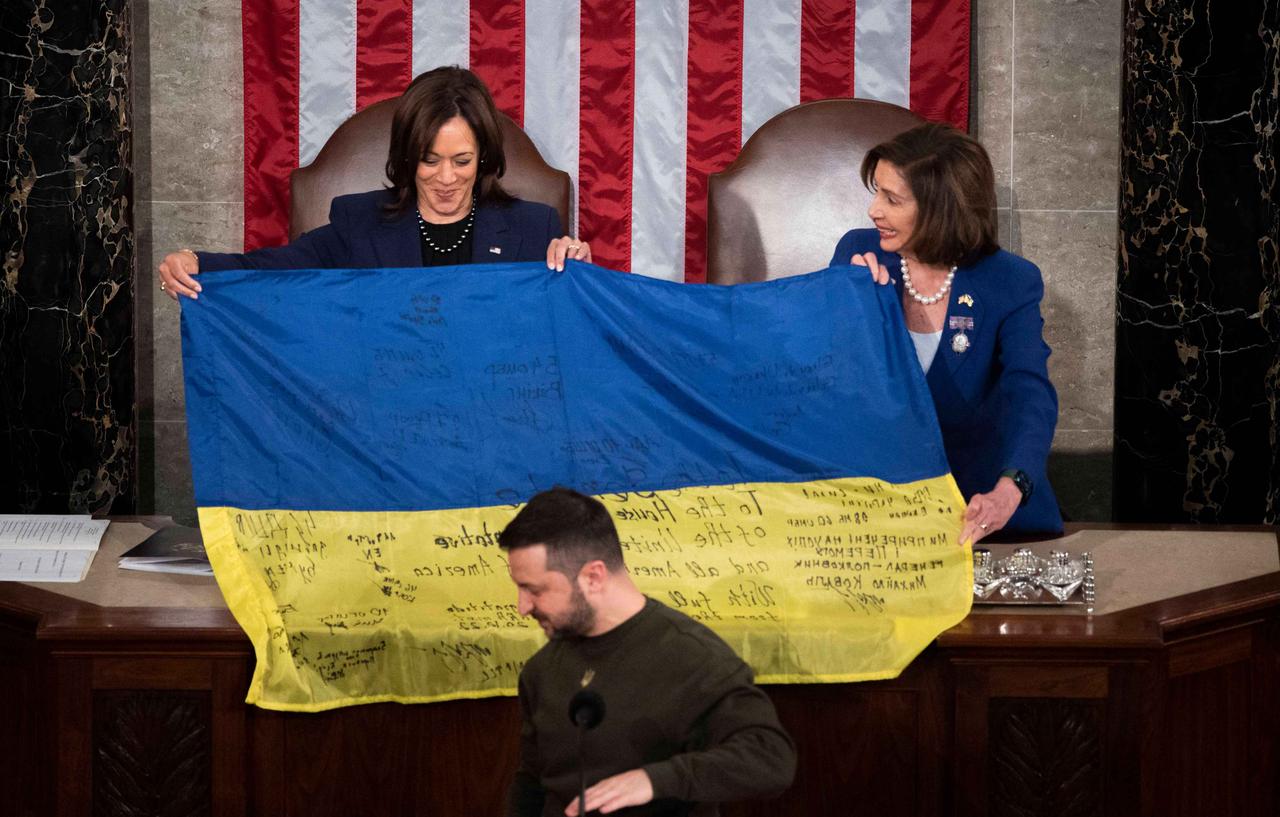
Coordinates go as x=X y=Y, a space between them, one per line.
x=566 y=247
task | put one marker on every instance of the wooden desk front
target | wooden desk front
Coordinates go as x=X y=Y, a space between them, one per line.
x=115 y=706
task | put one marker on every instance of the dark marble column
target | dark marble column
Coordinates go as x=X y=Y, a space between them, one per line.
x=1198 y=332
x=67 y=418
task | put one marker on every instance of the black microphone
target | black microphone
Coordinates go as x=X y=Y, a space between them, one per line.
x=586 y=710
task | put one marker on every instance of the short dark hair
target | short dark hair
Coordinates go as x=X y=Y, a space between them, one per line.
x=954 y=187
x=432 y=99
x=574 y=527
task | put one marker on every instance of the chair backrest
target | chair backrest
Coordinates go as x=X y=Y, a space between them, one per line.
x=794 y=189
x=354 y=160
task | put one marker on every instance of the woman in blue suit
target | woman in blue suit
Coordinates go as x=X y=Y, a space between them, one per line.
x=445 y=205
x=973 y=311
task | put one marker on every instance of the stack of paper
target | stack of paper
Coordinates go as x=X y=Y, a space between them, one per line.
x=48 y=548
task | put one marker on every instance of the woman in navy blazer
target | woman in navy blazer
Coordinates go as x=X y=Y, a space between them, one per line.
x=445 y=205
x=973 y=311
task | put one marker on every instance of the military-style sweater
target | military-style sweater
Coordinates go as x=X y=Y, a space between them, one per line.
x=679 y=703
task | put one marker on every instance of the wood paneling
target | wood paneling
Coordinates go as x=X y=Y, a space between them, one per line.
x=152 y=754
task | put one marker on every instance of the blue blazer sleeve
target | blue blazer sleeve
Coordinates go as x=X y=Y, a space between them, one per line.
x=1029 y=403
x=864 y=241
x=322 y=248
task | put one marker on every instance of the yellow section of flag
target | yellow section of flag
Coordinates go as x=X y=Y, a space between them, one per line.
x=835 y=580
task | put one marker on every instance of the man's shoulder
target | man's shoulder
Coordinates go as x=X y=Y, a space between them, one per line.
x=692 y=638
x=539 y=659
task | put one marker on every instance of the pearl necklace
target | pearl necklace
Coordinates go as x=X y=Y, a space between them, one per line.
x=926 y=299
x=422 y=228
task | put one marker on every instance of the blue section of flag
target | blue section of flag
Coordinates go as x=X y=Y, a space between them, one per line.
x=412 y=389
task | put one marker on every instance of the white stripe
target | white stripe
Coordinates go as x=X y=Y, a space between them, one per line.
x=770 y=60
x=326 y=71
x=551 y=76
x=882 y=51
x=661 y=130
x=441 y=34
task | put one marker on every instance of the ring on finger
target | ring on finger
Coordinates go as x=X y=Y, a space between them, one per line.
x=162 y=286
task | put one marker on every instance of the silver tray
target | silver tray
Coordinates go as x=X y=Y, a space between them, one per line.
x=1023 y=578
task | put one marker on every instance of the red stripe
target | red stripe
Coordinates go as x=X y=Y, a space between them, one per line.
x=384 y=49
x=826 y=49
x=270 y=42
x=497 y=52
x=606 y=129
x=940 y=60
x=714 y=115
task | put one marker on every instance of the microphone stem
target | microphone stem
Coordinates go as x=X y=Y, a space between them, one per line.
x=582 y=774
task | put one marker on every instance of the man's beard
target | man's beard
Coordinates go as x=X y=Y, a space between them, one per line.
x=580 y=619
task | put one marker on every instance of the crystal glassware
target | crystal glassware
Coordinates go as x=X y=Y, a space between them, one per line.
x=1021 y=571
x=1061 y=575
x=986 y=580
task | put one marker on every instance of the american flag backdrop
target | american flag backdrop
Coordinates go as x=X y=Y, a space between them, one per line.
x=637 y=99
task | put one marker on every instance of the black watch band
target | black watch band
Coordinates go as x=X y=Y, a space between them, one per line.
x=1021 y=480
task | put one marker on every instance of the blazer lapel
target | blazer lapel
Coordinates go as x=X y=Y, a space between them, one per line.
x=494 y=241
x=965 y=314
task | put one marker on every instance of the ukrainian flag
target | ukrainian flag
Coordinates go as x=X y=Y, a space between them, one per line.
x=359 y=437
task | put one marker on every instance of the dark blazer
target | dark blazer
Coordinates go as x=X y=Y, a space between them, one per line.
x=995 y=404
x=360 y=236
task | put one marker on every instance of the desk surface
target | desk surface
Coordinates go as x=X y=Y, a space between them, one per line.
x=107 y=585
x=1138 y=567
x=1156 y=575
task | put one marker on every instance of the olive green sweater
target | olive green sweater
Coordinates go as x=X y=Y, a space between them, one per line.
x=679 y=703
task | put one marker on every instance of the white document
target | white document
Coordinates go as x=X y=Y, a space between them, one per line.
x=48 y=548
x=61 y=532
x=44 y=565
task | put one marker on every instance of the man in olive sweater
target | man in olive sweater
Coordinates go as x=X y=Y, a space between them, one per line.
x=685 y=727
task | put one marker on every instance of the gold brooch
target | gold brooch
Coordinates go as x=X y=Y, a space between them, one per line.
x=965 y=299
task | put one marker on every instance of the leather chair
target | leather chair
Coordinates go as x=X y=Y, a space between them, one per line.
x=354 y=160
x=794 y=189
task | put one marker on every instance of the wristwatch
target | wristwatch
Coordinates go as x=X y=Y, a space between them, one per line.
x=1021 y=480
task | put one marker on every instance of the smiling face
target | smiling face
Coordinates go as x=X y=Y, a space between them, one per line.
x=549 y=596
x=446 y=176
x=893 y=208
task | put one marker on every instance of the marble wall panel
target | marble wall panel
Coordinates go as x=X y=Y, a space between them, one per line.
x=67 y=416
x=197 y=118
x=174 y=494
x=1198 y=338
x=1066 y=89
x=991 y=73
x=1076 y=254
x=192 y=196
x=1047 y=90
